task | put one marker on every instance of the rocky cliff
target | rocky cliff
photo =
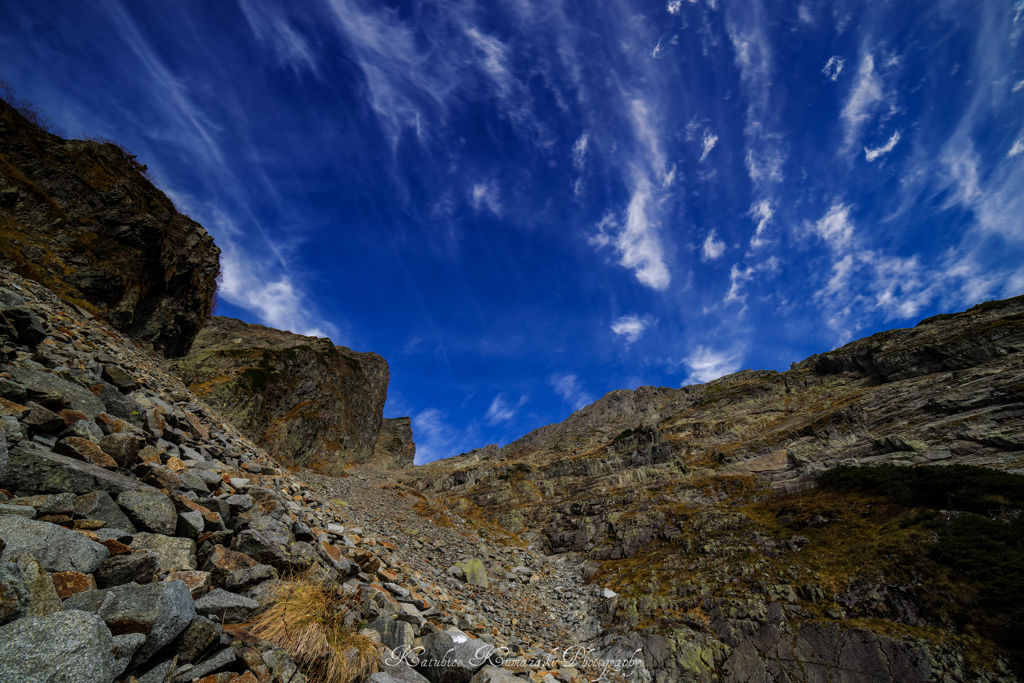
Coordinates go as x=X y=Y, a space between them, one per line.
x=303 y=399
x=698 y=507
x=395 y=447
x=81 y=218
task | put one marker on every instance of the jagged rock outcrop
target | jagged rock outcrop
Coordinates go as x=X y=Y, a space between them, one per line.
x=80 y=218
x=303 y=399
x=395 y=447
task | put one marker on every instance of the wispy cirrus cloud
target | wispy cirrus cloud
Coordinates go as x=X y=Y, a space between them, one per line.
x=503 y=410
x=872 y=154
x=707 y=144
x=833 y=67
x=571 y=391
x=836 y=227
x=632 y=327
x=271 y=26
x=636 y=238
x=712 y=248
x=1017 y=148
x=762 y=212
x=706 y=363
x=865 y=96
x=579 y=150
x=436 y=438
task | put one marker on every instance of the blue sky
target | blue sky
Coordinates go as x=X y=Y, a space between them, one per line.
x=524 y=205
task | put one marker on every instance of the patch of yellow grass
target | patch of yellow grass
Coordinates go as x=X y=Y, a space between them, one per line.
x=308 y=620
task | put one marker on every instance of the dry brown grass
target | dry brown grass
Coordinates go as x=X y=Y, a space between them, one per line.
x=308 y=620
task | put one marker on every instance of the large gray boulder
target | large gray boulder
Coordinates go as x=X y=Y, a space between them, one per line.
x=150 y=510
x=14 y=595
x=57 y=549
x=29 y=471
x=161 y=611
x=228 y=607
x=43 y=599
x=100 y=506
x=452 y=657
x=64 y=647
x=175 y=553
x=54 y=392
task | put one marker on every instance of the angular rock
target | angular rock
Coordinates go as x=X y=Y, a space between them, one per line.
x=198 y=582
x=125 y=647
x=64 y=647
x=137 y=567
x=43 y=598
x=163 y=477
x=55 y=548
x=15 y=598
x=119 y=377
x=54 y=392
x=208 y=666
x=452 y=656
x=190 y=525
x=86 y=451
x=149 y=510
x=197 y=639
x=99 y=505
x=160 y=610
x=43 y=420
x=123 y=448
x=397 y=635
x=476 y=574
x=175 y=553
x=71 y=583
x=494 y=674
x=228 y=607
x=26 y=511
x=263 y=550
x=29 y=471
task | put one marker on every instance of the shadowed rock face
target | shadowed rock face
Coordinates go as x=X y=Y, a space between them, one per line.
x=80 y=218
x=301 y=398
x=395 y=448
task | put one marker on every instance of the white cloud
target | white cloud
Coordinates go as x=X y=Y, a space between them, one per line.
x=568 y=387
x=674 y=6
x=632 y=327
x=1018 y=147
x=737 y=278
x=270 y=25
x=647 y=136
x=276 y=301
x=866 y=94
x=485 y=195
x=834 y=67
x=436 y=439
x=579 y=150
x=638 y=242
x=656 y=52
x=1018 y=86
x=708 y=144
x=712 y=248
x=763 y=213
x=872 y=154
x=803 y=12
x=835 y=226
x=503 y=411
x=706 y=364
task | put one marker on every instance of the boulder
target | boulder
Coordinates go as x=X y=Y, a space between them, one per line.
x=174 y=553
x=14 y=596
x=138 y=567
x=29 y=471
x=476 y=574
x=197 y=639
x=206 y=667
x=43 y=599
x=53 y=392
x=86 y=451
x=71 y=583
x=495 y=674
x=228 y=607
x=63 y=647
x=150 y=510
x=57 y=549
x=198 y=582
x=452 y=656
x=123 y=448
x=160 y=610
x=125 y=647
x=99 y=505
x=41 y=419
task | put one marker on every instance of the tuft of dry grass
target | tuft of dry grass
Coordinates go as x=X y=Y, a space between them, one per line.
x=317 y=629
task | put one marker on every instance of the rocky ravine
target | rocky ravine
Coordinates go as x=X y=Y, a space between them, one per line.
x=678 y=497
x=80 y=217
x=303 y=399
x=140 y=531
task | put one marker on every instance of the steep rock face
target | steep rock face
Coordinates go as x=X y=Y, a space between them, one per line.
x=395 y=447
x=80 y=218
x=302 y=399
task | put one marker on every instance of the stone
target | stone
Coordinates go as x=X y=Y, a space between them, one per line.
x=475 y=573
x=159 y=610
x=63 y=647
x=30 y=471
x=241 y=503
x=43 y=420
x=198 y=582
x=43 y=598
x=190 y=525
x=82 y=429
x=125 y=647
x=54 y=392
x=26 y=511
x=138 y=567
x=149 y=510
x=452 y=656
x=397 y=635
x=495 y=674
x=12 y=391
x=263 y=550
x=190 y=481
x=228 y=607
x=119 y=406
x=15 y=599
x=86 y=451
x=123 y=448
x=208 y=666
x=197 y=639
x=159 y=673
x=163 y=477
x=174 y=553
x=70 y=583
x=119 y=377
x=55 y=548
x=99 y=505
